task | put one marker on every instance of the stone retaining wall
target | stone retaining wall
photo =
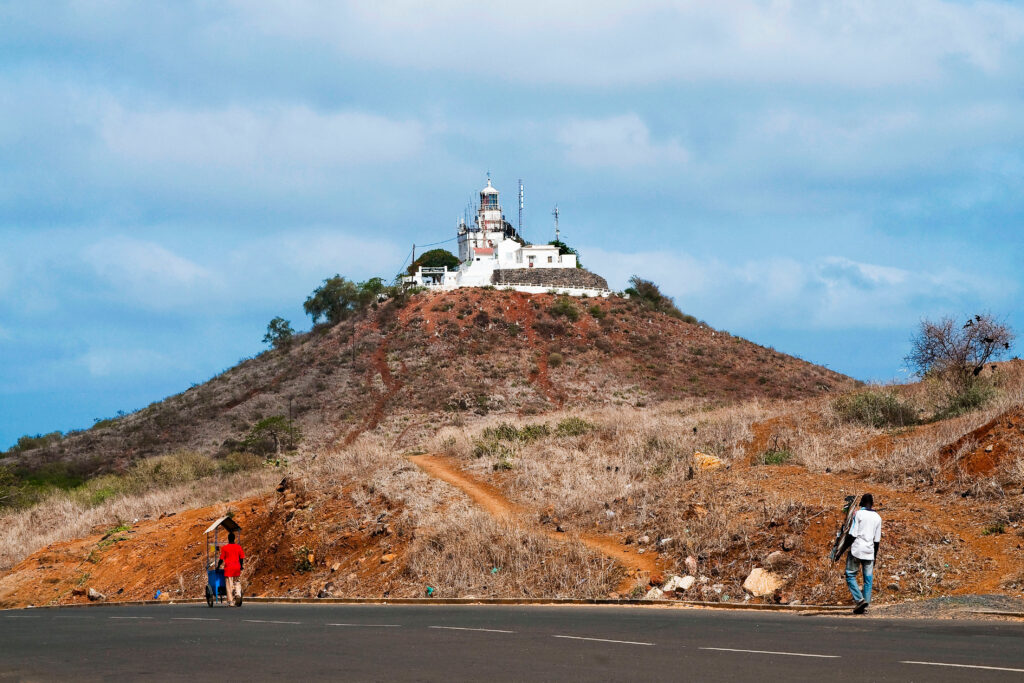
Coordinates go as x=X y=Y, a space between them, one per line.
x=550 y=277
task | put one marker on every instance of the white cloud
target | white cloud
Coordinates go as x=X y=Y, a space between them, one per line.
x=618 y=141
x=148 y=273
x=830 y=293
x=607 y=42
x=280 y=138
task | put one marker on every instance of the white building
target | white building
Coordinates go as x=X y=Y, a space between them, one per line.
x=491 y=252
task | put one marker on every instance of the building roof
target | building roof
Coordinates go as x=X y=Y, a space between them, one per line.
x=489 y=189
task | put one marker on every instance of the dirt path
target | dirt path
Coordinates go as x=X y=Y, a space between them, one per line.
x=496 y=504
x=523 y=310
x=391 y=387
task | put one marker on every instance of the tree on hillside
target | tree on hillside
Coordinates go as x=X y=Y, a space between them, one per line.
x=279 y=333
x=435 y=258
x=648 y=295
x=338 y=298
x=272 y=435
x=956 y=353
x=564 y=249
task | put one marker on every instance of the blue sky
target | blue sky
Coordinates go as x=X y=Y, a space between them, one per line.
x=813 y=176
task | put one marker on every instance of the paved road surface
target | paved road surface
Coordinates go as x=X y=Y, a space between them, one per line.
x=495 y=643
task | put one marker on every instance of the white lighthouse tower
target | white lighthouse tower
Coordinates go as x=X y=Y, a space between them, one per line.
x=491 y=251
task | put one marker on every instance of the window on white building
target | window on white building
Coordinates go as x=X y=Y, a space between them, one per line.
x=549 y=260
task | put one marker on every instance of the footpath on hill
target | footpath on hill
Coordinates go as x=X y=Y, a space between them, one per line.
x=500 y=507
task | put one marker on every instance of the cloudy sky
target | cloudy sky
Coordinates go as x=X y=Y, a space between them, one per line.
x=813 y=176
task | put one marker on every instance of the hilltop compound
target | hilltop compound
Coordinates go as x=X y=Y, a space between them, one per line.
x=492 y=253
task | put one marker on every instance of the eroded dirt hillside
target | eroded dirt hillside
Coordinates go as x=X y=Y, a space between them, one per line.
x=440 y=358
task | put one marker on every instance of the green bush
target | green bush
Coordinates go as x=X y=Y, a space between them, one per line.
x=573 y=426
x=565 y=308
x=778 y=456
x=596 y=312
x=968 y=399
x=28 y=442
x=273 y=435
x=875 y=408
x=555 y=359
x=509 y=432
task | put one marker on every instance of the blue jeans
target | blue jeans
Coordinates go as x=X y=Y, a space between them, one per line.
x=853 y=564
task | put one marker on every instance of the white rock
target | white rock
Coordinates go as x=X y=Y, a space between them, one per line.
x=655 y=594
x=761 y=583
x=679 y=583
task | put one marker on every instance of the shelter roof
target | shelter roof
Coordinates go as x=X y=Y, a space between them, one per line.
x=226 y=522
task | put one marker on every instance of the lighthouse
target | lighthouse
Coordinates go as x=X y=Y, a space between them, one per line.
x=491 y=252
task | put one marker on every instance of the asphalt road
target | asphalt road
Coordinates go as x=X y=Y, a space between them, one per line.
x=495 y=643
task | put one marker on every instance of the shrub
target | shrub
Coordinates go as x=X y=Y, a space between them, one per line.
x=648 y=295
x=509 y=432
x=28 y=443
x=573 y=426
x=964 y=401
x=875 y=409
x=303 y=558
x=565 y=308
x=555 y=359
x=776 y=456
x=596 y=312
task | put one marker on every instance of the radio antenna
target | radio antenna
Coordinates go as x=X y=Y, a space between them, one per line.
x=555 y=214
x=520 y=207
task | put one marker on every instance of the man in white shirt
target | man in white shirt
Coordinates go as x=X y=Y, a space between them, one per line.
x=863 y=539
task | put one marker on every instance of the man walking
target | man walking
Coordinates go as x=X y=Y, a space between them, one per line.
x=233 y=557
x=863 y=539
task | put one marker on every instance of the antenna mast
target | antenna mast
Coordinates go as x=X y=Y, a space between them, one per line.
x=555 y=214
x=520 y=207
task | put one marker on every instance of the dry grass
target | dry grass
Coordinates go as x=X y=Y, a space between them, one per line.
x=65 y=516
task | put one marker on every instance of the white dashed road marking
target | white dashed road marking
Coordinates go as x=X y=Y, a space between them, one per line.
x=262 y=621
x=462 y=628
x=967 y=666
x=370 y=625
x=605 y=640
x=770 y=652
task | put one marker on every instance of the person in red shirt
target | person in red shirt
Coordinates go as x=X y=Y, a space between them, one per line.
x=233 y=557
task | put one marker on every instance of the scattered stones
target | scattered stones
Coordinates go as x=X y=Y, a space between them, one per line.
x=655 y=594
x=644 y=540
x=95 y=595
x=691 y=564
x=614 y=596
x=679 y=584
x=760 y=583
x=390 y=557
x=790 y=543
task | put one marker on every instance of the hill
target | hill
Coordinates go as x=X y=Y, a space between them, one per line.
x=407 y=366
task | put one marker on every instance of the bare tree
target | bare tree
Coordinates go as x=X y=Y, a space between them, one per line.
x=956 y=352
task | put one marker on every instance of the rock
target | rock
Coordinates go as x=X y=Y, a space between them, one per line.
x=679 y=583
x=776 y=559
x=760 y=582
x=894 y=587
x=78 y=591
x=790 y=543
x=657 y=579
x=614 y=596
x=609 y=514
x=989 y=448
x=95 y=595
x=390 y=557
x=691 y=564
x=665 y=542
x=644 y=540
x=655 y=594
x=705 y=462
x=335 y=567
x=165 y=597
